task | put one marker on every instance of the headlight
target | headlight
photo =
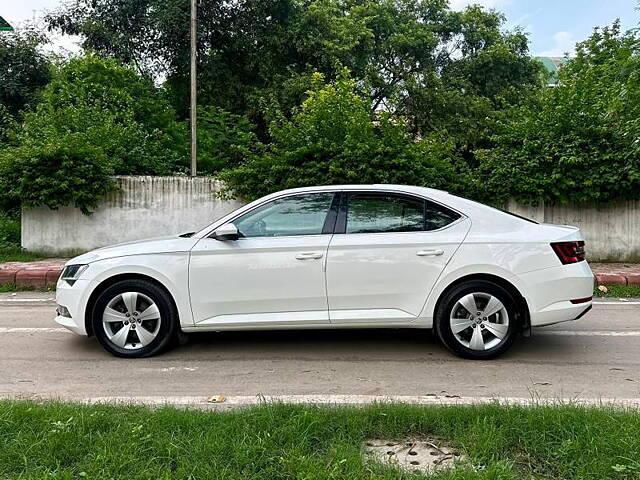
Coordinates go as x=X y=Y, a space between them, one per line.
x=71 y=273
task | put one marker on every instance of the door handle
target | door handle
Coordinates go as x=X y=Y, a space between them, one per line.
x=429 y=253
x=309 y=256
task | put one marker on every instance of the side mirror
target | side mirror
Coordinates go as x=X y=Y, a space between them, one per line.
x=228 y=231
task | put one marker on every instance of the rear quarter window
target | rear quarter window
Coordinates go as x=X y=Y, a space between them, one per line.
x=438 y=216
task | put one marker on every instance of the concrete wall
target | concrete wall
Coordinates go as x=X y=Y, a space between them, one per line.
x=145 y=207
x=141 y=207
x=611 y=231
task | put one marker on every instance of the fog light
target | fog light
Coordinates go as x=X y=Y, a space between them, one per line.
x=62 y=311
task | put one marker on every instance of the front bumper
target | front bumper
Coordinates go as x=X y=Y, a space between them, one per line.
x=550 y=291
x=72 y=298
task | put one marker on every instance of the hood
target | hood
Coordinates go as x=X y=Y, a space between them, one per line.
x=170 y=244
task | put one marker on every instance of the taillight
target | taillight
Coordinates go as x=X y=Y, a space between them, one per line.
x=569 y=252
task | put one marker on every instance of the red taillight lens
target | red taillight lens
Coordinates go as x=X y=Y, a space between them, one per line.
x=569 y=252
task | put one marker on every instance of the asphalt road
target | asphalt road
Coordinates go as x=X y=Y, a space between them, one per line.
x=593 y=358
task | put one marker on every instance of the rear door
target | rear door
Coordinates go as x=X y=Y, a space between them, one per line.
x=387 y=252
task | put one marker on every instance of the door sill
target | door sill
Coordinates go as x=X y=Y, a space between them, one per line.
x=377 y=316
x=316 y=317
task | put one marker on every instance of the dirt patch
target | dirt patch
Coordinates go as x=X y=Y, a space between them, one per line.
x=424 y=455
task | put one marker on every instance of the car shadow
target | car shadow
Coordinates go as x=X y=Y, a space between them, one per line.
x=362 y=344
x=331 y=343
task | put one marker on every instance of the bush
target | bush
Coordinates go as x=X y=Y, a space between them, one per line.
x=578 y=141
x=57 y=174
x=225 y=140
x=332 y=139
x=97 y=118
x=9 y=231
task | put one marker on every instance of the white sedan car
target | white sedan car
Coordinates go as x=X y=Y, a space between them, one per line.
x=363 y=256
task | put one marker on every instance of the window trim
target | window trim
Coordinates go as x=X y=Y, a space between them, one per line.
x=342 y=195
x=341 y=223
x=333 y=204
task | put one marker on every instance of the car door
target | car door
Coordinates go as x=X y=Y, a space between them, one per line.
x=386 y=254
x=273 y=274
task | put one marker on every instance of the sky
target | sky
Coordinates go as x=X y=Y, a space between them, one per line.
x=554 y=26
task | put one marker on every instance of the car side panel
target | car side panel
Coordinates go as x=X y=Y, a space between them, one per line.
x=169 y=269
x=533 y=268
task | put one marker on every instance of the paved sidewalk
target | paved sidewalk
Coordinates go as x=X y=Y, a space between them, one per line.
x=45 y=273
x=617 y=273
x=39 y=274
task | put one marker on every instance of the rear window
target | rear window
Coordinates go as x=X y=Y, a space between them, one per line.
x=384 y=213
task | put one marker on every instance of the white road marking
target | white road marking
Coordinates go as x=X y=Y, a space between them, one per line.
x=590 y=333
x=622 y=302
x=33 y=330
x=536 y=332
x=26 y=300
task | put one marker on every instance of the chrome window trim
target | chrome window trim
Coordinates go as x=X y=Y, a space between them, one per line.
x=348 y=190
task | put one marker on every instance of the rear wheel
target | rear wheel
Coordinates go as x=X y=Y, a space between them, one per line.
x=134 y=318
x=477 y=320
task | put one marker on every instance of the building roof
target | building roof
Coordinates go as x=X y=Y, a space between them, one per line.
x=4 y=25
x=553 y=65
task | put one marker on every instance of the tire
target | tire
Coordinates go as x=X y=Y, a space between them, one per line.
x=473 y=336
x=152 y=329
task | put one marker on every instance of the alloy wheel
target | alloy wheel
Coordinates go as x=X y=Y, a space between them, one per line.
x=131 y=320
x=479 y=321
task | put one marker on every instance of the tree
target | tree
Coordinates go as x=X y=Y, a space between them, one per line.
x=113 y=108
x=331 y=139
x=435 y=68
x=96 y=118
x=225 y=140
x=24 y=70
x=577 y=141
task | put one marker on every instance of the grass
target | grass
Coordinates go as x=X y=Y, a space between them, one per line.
x=618 y=291
x=10 y=250
x=12 y=287
x=17 y=254
x=274 y=442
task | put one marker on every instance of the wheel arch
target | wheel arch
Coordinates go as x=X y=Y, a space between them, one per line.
x=521 y=302
x=106 y=283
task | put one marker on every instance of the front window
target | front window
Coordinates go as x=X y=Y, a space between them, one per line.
x=295 y=215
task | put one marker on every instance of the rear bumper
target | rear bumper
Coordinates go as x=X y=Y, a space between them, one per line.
x=551 y=290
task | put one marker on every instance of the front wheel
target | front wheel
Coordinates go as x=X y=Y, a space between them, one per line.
x=134 y=318
x=477 y=320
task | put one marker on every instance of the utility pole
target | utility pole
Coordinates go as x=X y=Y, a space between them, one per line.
x=194 y=102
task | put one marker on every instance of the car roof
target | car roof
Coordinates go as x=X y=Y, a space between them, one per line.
x=376 y=186
x=463 y=206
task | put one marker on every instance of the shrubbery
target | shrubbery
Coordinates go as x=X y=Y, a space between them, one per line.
x=96 y=118
x=579 y=141
x=65 y=171
x=320 y=92
x=332 y=139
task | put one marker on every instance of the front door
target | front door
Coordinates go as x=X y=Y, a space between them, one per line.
x=387 y=252
x=273 y=274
